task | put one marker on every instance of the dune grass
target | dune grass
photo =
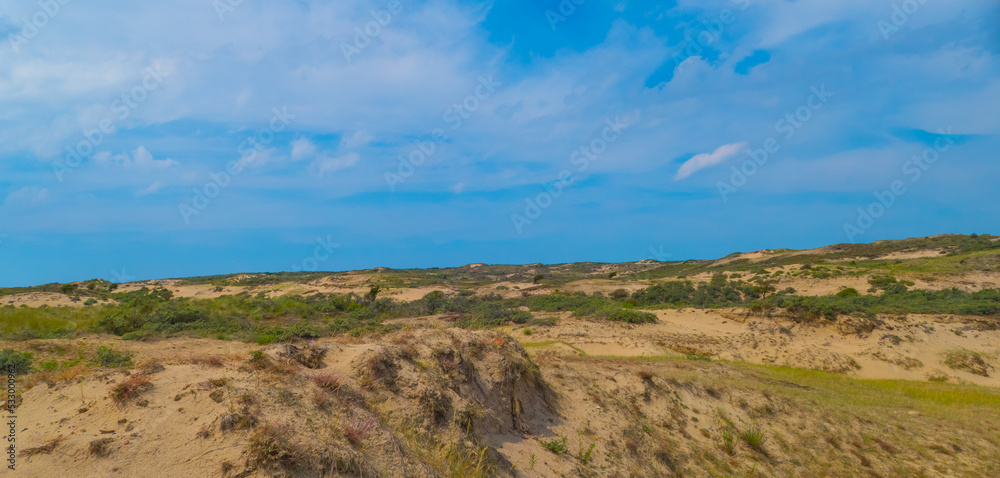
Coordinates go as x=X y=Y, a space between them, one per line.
x=21 y=323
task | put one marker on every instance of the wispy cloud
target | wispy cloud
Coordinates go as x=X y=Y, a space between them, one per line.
x=151 y=189
x=141 y=158
x=326 y=165
x=354 y=121
x=707 y=160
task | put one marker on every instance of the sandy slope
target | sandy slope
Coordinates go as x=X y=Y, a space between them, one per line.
x=733 y=336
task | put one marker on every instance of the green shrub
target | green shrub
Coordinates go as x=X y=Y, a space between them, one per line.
x=555 y=445
x=619 y=294
x=20 y=361
x=111 y=358
x=265 y=339
x=631 y=316
x=848 y=292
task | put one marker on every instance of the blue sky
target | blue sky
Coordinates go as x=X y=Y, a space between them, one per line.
x=140 y=140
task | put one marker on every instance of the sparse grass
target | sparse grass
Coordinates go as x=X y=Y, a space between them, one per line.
x=932 y=397
x=25 y=323
x=44 y=449
x=450 y=460
x=729 y=440
x=584 y=453
x=753 y=436
x=207 y=360
x=967 y=360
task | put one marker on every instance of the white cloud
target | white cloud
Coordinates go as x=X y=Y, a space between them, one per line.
x=28 y=196
x=705 y=160
x=141 y=158
x=243 y=97
x=302 y=148
x=258 y=159
x=359 y=138
x=458 y=188
x=328 y=165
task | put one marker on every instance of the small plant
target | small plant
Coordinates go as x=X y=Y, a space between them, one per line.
x=357 y=429
x=532 y=461
x=555 y=445
x=259 y=361
x=754 y=438
x=584 y=456
x=111 y=358
x=20 y=361
x=130 y=388
x=528 y=332
x=728 y=441
x=700 y=357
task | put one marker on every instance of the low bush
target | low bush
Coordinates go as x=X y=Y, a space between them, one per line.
x=109 y=357
x=13 y=361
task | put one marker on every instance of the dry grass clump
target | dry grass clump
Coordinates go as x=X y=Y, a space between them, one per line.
x=645 y=375
x=376 y=367
x=967 y=360
x=151 y=366
x=327 y=381
x=245 y=417
x=53 y=377
x=406 y=344
x=310 y=356
x=45 y=449
x=131 y=387
x=99 y=447
x=269 y=446
x=259 y=361
x=356 y=430
x=207 y=360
